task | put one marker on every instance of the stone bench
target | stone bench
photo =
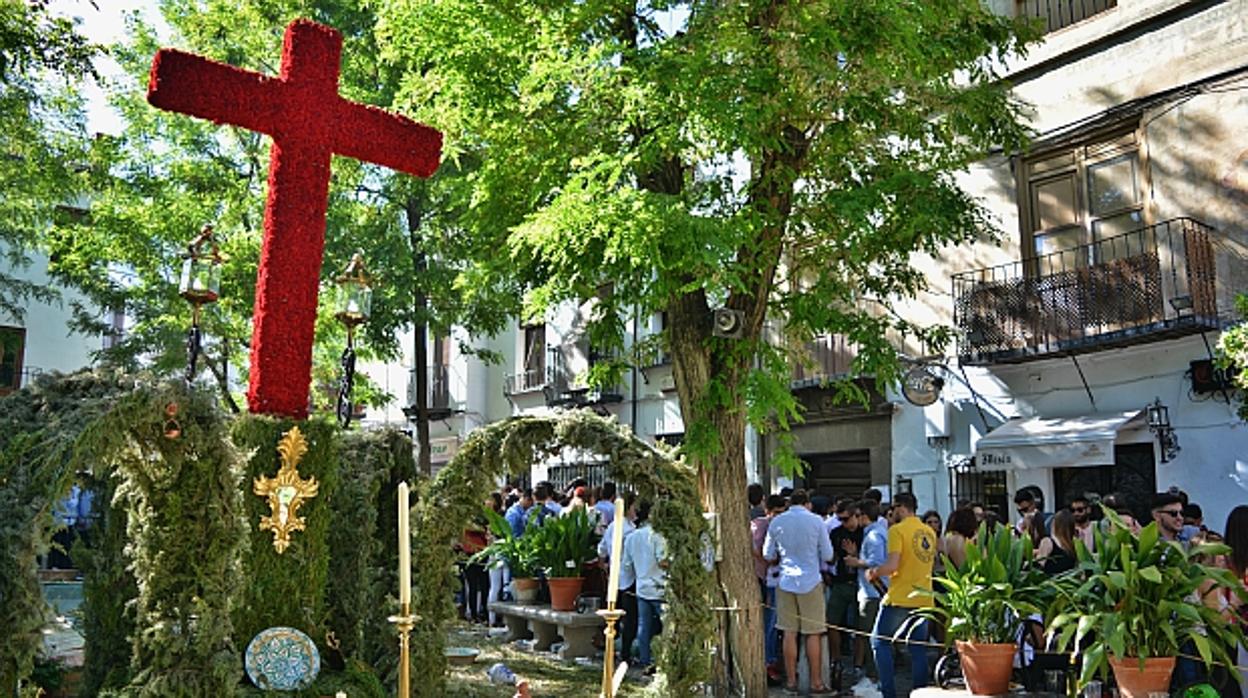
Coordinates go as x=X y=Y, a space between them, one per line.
x=576 y=629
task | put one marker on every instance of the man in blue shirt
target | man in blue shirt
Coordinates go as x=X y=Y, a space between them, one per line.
x=606 y=504
x=518 y=514
x=873 y=553
x=798 y=542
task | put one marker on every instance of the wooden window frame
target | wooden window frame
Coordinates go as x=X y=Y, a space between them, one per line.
x=19 y=364
x=1027 y=176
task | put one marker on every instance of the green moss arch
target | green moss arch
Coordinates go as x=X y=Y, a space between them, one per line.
x=510 y=447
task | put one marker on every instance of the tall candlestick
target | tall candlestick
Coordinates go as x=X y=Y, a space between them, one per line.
x=617 y=549
x=405 y=548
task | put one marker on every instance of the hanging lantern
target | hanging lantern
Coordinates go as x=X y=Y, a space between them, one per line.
x=201 y=270
x=354 y=296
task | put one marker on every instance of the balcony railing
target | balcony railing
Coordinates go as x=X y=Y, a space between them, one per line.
x=1141 y=286
x=831 y=356
x=564 y=390
x=438 y=398
x=1057 y=14
x=525 y=381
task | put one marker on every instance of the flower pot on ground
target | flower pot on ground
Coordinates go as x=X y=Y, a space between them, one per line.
x=983 y=604
x=563 y=546
x=1136 y=681
x=1138 y=597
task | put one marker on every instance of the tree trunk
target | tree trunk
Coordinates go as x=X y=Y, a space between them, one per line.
x=723 y=485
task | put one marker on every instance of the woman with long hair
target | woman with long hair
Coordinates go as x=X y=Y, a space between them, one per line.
x=1236 y=536
x=1056 y=552
x=960 y=529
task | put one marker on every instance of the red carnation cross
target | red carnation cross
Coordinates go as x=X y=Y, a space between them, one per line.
x=309 y=123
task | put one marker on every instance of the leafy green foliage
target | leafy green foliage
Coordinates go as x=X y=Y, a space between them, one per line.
x=987 y=599
x=512 y=446
x=288 y=588
x=363 y=548
x=43 y=138
x=166 y=175
x=40 y=429
x=1135 y=599
x=564 y=544
x=1233 y=351
x=108 y=587
x=186 y=531
x=518 y=553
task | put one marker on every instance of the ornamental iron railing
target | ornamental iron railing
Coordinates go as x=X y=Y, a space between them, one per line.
x=1144 y=285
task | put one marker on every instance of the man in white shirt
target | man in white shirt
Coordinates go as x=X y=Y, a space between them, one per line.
x=645 y=559
x=628 y=593
x=798 y=541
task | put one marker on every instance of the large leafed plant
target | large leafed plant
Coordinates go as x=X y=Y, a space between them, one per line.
x=518 y=552
x=988 y=597
x=565 y=543
x=1137 y=598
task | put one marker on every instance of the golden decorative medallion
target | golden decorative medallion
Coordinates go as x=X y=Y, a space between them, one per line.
x=286 y=492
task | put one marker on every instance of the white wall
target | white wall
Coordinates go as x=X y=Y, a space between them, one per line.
x=50 y=345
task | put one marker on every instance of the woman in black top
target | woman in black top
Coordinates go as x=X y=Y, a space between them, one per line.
x=1057 y=552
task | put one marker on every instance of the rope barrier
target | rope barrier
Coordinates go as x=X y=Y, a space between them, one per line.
x=941 y=646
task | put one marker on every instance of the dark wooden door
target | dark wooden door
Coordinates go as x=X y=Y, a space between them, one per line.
x=1133 y=476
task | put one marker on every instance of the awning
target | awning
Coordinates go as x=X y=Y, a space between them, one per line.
x=1059 y=442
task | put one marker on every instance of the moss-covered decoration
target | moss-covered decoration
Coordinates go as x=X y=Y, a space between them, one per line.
x=39 y=430
x=108 y=587
x=511 y=447
x=286 y=589
x=364 y=554
x=181 y=491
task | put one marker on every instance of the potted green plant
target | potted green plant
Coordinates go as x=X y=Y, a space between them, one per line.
x=983 y=604
x=519 y=553
x=1134 y=605
x=564 y=544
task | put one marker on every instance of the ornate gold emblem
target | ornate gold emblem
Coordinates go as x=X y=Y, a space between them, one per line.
x=286 y=492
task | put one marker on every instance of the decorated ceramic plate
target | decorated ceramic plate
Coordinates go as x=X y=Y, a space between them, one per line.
x=282 y=659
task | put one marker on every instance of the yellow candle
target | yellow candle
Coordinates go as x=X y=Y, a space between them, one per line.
x=405 y=548
x=617 y=551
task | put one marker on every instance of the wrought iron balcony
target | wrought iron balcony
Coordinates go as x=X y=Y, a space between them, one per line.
x=564 y=390
x=1058 y=14
x=831 y=356
x=525 y=381
x=438 y=398
x=1146 y=285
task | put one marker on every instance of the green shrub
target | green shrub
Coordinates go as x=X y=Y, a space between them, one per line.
x=1133 y=599
x=987 y=599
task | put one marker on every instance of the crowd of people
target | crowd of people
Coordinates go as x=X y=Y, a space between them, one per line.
x=844 y=569
x=837 y=576
x=643 y=571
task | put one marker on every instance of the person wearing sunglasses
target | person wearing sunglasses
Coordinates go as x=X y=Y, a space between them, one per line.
x=1168 y=513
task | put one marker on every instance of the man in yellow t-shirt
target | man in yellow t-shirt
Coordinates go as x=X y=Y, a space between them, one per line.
x=911 y=552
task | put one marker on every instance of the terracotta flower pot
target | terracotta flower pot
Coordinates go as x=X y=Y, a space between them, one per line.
x=563 y=592
x=524 y=589
x=1136 y=683
x=987 y=667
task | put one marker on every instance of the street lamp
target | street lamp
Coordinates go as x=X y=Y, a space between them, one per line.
x=353 y=304
x=199 y=285
x=1159 y=424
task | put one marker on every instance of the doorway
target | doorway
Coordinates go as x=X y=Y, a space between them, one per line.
x=1133 y=476
x=836 y=474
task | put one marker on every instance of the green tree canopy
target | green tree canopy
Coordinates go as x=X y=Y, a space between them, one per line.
x=167 y=175
x=42 y=134
x=782 y=159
